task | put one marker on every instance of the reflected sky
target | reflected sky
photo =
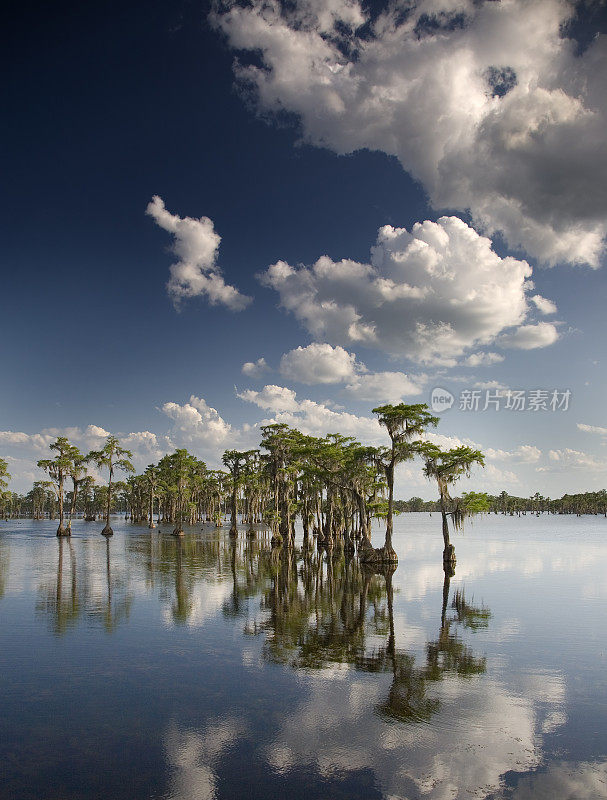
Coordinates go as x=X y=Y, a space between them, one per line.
x=146 y=666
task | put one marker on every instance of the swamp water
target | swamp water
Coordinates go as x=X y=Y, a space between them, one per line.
x=149 y=667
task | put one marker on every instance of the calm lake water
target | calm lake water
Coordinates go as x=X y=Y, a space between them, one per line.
x=147 y=667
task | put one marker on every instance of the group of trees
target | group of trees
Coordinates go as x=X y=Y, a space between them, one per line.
x=70 y=464
x=4 y=479
x=335 y=484
x=68 y=467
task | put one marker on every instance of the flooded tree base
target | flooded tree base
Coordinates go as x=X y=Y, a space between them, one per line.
x=449 y=555
x=378 y=555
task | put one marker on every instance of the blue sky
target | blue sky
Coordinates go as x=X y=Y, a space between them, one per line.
x=299 y=135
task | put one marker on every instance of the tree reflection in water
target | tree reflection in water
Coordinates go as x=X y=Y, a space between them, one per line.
x=320 y=610
x=408 y=700
x=317 y=608
x=61 y=600
x=182 y=607
x=89 y=591
x=4 y=562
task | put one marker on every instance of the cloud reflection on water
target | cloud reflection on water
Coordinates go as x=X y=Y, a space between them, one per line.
x=434 y=705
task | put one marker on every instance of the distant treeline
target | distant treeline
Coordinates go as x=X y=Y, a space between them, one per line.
x=41 y=503
x=504 y=503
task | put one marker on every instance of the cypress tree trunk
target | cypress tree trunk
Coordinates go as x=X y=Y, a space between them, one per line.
x=107 y=531
x=151 y=522
x=388 y=549
x=61 y=530
x=234 y=510
x=365 y=543
x=449 y=549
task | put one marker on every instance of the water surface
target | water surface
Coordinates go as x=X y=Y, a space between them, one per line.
x=150 y=667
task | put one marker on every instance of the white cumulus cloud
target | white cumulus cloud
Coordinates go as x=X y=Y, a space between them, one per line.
x=569 y=459
x=312 y=418
x=272 y=398
x=196 y=272
x=483 y=359
x=254 y=369
x=430 y=295
x=530 y=337
x=385 y=387
x=525 y=453
x=597 y=429
x=543 y=305
x=325 y=364
x=488 y=105
x=196 y=424
x=34 y=441
x=319 y=363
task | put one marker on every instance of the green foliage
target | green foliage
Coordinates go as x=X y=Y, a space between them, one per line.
x=447 y=466
x=476 y=502
x=60 y=467
x=4 y=474
x=405 y=422
x=112 y=456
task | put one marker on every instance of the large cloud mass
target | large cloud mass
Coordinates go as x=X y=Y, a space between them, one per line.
x=429 y=295
x=487 y=104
